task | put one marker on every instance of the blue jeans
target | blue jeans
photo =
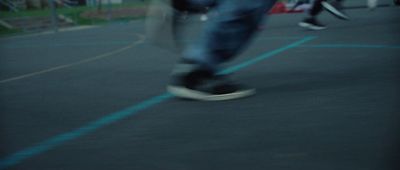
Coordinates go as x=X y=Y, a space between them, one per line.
x=227 y=34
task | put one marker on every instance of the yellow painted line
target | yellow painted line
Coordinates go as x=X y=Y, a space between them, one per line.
x=101 y=56
x=28 y=35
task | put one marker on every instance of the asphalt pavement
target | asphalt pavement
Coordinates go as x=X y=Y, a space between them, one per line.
x=95 y=99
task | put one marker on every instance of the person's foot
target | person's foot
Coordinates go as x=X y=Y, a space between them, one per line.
x=312 y=24
x=191 y=82
x=335 y=8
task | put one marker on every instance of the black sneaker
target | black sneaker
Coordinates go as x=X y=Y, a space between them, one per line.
x=312 y=23
x=191 y=82
x=335 y=8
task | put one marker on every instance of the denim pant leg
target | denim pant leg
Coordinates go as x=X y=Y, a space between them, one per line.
x=227 y=34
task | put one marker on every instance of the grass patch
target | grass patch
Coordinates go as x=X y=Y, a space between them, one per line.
x=69 y=11
x=6 y=32
x=83 y=15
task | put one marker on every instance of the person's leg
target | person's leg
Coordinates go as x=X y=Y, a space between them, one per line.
x=316 y=8
x=335 y=7
x=224 y=37
x=311 y=21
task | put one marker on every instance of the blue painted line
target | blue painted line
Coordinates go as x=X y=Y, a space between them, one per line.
x=55 y=141
x=351 y=46
x=93 y=126
x=278 y=38
x=259 y=38
x=265 y=56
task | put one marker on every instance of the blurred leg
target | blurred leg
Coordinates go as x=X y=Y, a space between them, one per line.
x=316 y=8
x=311 y=21
x=335 y=7
x=228 y=33
x=195 y=77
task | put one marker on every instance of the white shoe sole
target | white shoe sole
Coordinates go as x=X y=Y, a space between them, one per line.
x=197 y=95
x=310 y=26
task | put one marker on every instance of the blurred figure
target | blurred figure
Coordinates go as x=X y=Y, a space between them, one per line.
x=197 y=75
x=334 y=7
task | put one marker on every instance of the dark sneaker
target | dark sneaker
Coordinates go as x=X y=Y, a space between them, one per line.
x=312 y=23
x=189 y=82
x=335 y=8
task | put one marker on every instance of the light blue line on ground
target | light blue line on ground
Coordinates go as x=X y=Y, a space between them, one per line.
x=256 y=38
x=351 y=46
x=55 y=141
x=65 y=137
x=277 y=37
x=265 y=56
